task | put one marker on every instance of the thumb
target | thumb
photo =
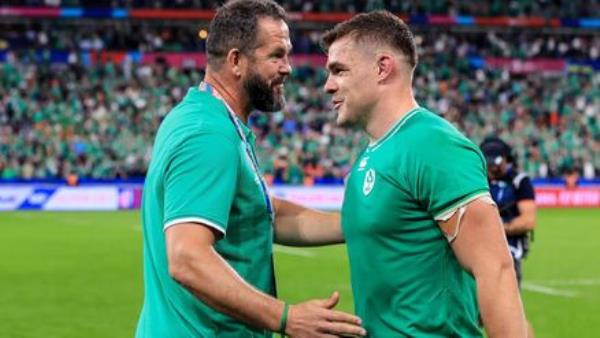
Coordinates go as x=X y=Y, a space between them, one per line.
x=332 y=301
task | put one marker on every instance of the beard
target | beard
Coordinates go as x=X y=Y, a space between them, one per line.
x=261 y=95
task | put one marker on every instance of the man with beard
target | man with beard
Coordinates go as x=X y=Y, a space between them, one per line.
x=208 y=220
x=427 y=251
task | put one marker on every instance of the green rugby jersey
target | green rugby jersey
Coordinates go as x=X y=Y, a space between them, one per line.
x=200 y=172
x=406 y=280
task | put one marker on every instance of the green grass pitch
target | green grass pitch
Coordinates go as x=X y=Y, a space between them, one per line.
x=79 y=274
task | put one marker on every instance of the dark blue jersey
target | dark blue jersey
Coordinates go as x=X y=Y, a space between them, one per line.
x=507 y=192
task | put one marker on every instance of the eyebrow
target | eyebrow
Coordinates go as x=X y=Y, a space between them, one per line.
x=287 y=49
x=280 y=49
x=333 y=65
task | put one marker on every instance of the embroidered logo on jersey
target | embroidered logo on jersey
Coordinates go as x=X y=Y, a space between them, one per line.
x=369 y=182
x=363 y=163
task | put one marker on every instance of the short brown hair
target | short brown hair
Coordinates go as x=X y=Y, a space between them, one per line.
x=379 y=27
x=235 y=25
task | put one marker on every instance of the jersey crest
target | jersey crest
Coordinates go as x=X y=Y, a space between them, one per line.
x=369 y=182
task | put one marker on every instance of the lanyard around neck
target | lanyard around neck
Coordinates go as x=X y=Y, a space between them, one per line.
x=207 y=88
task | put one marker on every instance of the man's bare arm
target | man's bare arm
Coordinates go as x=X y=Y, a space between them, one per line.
x=525 y=221
x=482 y=250
x=195 y=264
x=296 y=225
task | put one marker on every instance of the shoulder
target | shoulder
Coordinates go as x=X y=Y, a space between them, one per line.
x=427 y=126
x=521 y=179
x=523 y=185
x=197 y=114
x=431 y=136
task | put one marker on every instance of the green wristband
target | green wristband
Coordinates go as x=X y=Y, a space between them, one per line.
x=283 y=322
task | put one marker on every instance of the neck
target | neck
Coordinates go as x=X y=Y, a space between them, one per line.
x=230 y=92
x=388 y=111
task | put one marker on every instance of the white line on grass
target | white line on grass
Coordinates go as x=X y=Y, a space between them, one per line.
x=548 y=290
x=572 y=282
x=292 y=251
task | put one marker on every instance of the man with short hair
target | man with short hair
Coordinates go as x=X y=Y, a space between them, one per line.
x=208 y=219
x=427 y=252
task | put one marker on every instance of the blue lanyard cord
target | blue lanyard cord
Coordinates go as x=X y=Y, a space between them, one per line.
x=249 y=153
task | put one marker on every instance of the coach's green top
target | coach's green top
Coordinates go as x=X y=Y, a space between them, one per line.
x=201 y=172
x=406 y=280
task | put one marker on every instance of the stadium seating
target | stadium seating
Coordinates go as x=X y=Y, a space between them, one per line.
x=100 y=121
x=143 y=37
x=563 y=8
x=63 y=114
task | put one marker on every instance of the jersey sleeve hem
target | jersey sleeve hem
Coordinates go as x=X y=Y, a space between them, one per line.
x=446 y=213
x=199 y=220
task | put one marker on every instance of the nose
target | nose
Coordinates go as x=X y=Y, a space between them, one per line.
x=330 y=85
x=286 y=67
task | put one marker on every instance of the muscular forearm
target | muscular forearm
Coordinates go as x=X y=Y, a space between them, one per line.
x=195 y=264
x=519 y=225
x=299 y=226
x=500 y=303
x=210 y=278
x=525 y=221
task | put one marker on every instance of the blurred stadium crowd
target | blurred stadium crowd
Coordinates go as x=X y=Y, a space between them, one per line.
x=99 y=121
x=546 y=8
x=144 y=37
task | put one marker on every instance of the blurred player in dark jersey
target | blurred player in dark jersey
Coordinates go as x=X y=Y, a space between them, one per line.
x=513 y=192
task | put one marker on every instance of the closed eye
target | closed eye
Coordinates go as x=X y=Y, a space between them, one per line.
x=337 y=70
x=280 y=53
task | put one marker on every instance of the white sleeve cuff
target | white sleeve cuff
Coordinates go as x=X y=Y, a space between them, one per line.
x=446 y=215
x=461 y=208
x=199 y=220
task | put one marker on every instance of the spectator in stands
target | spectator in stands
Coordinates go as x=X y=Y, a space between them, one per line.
x=562 y=8
x=98 y=119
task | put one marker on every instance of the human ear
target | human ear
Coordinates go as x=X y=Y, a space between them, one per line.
x=385 y=66
x=234 y=61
